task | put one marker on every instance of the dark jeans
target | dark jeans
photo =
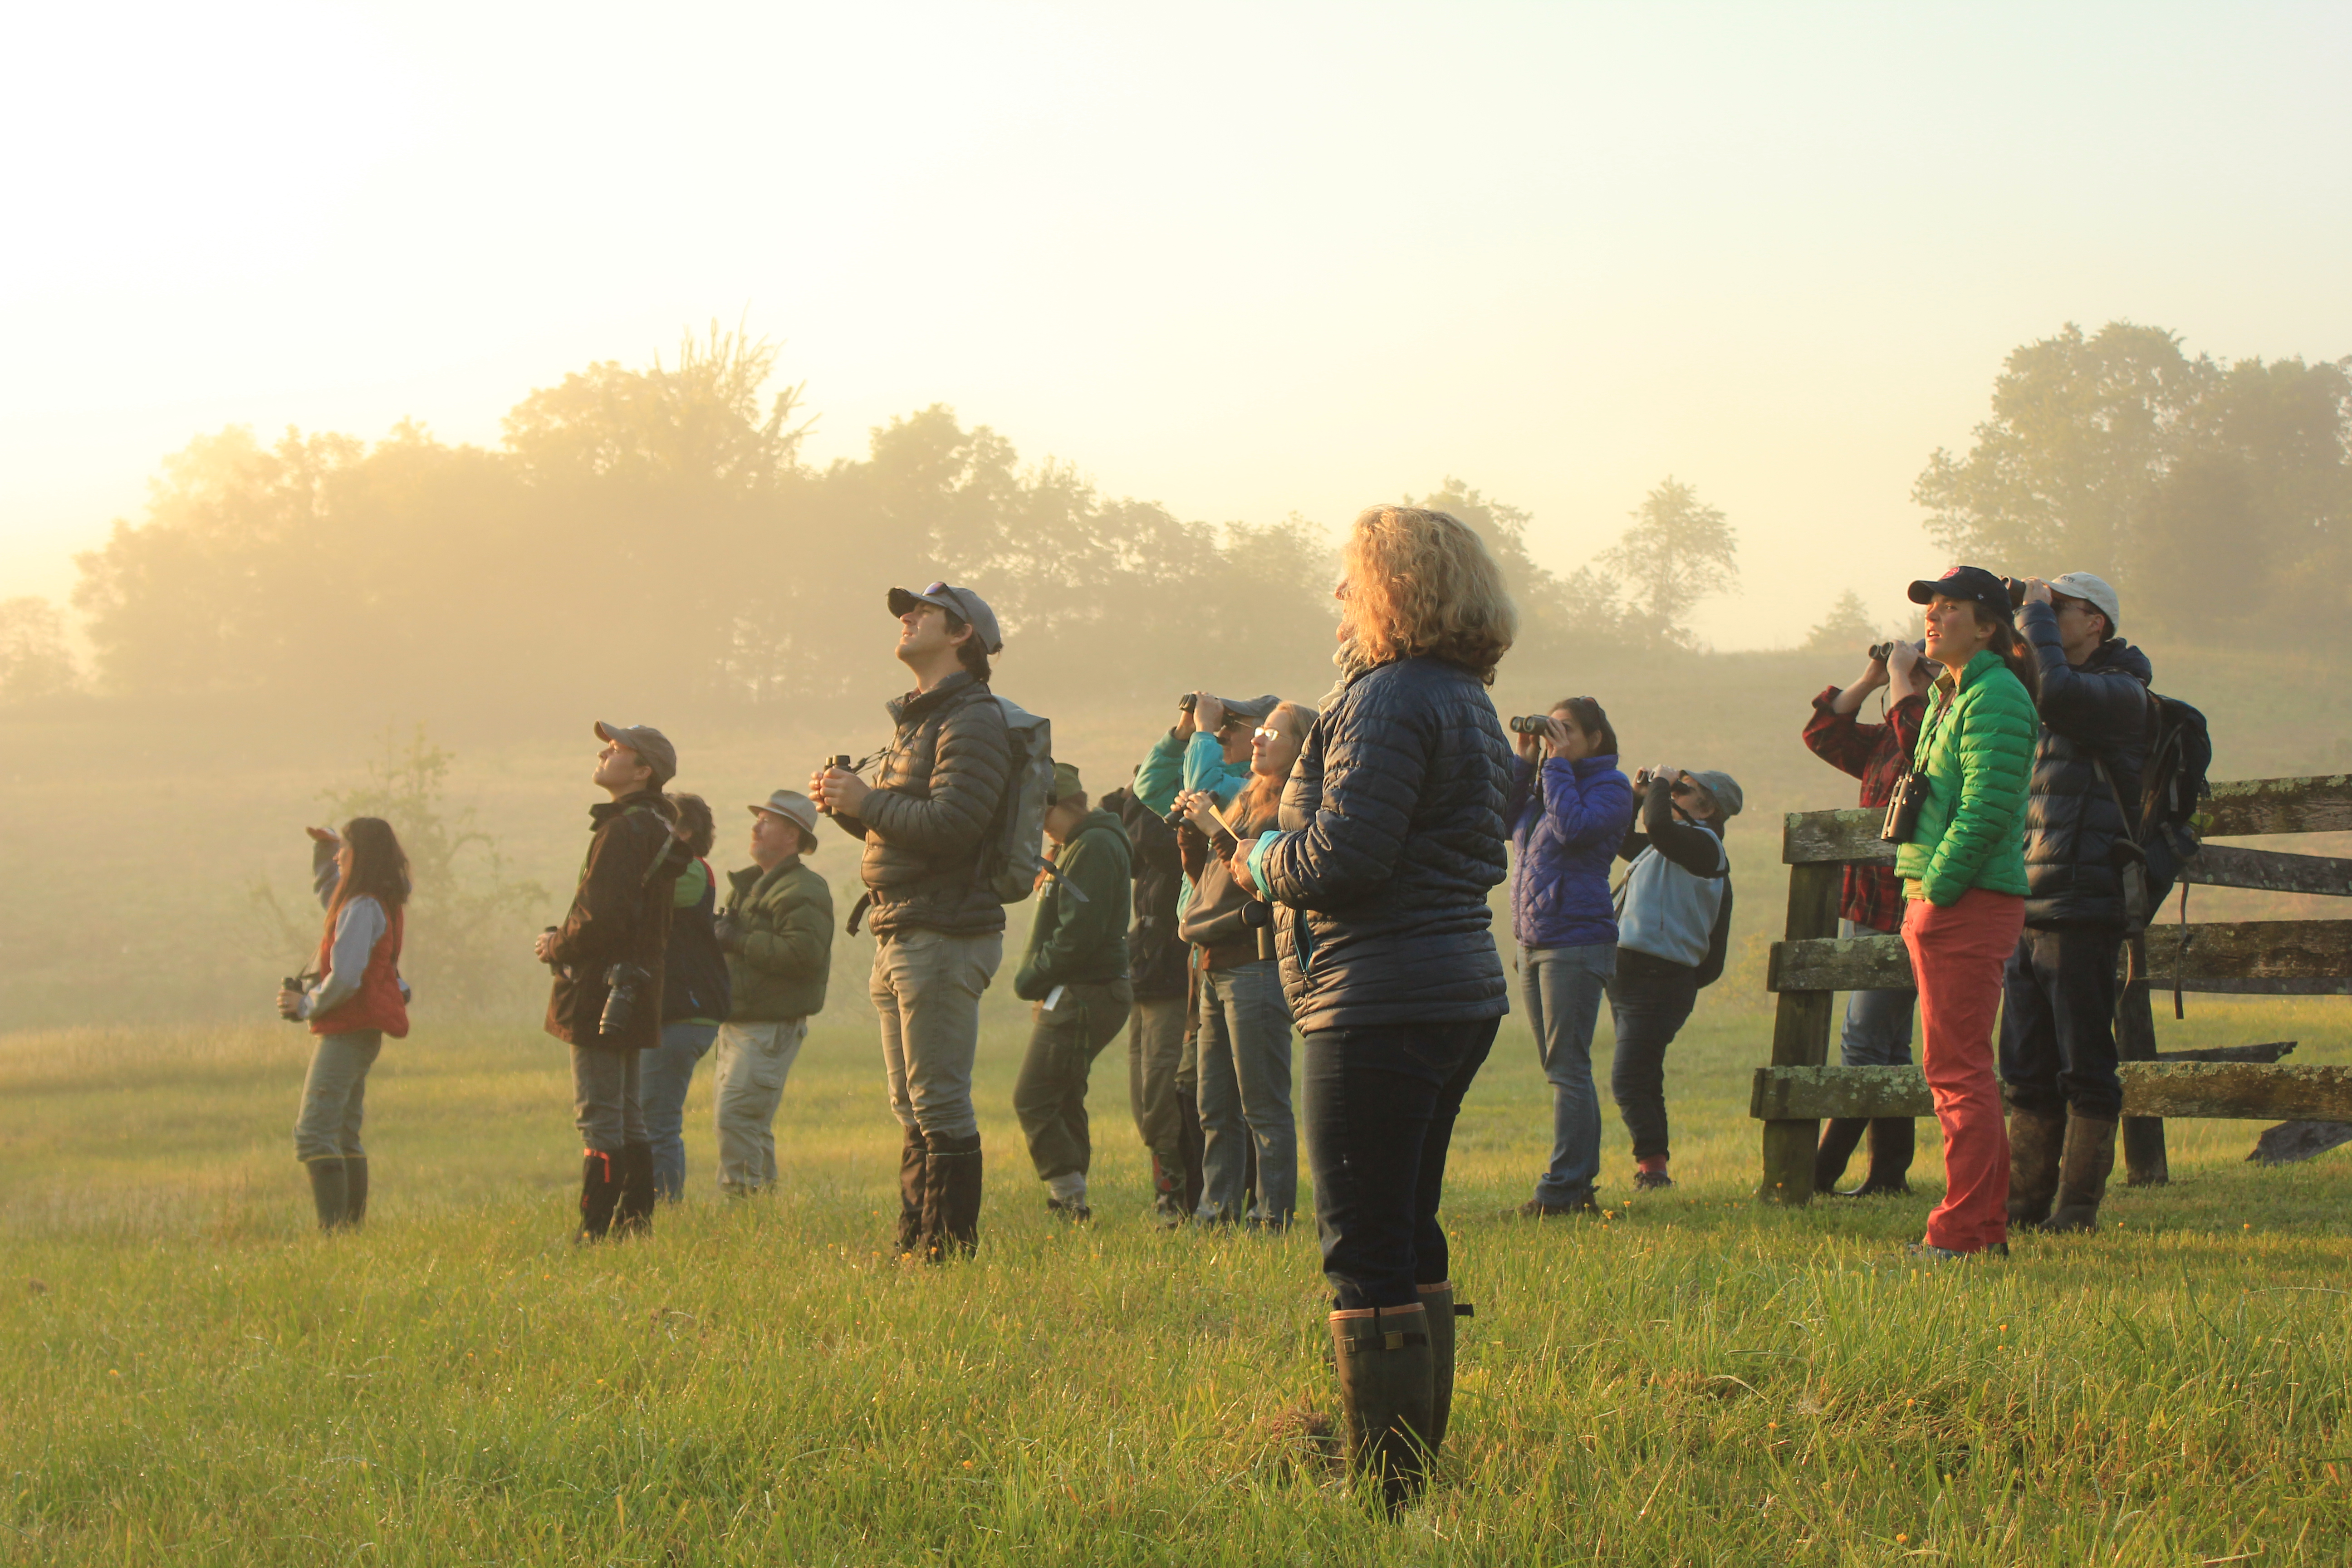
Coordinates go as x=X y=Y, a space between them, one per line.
x=1649 y=999
x=1050 y=1095
x=1381 y=1104
x=2058 y=1022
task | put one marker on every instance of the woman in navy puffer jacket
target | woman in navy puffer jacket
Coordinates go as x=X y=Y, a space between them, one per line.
x=1568 y=811
x=1392 y=835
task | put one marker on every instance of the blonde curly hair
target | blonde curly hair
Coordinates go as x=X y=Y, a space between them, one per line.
x=1421 y=583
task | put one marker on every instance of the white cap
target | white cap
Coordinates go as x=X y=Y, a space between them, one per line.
x=2092 y=591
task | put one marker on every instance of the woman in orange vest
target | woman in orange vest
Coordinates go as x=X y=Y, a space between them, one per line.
x=357 y=999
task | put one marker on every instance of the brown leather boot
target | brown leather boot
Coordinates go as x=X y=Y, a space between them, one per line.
x=1444 y=1313
x=1386 y=1386
x=2083 y=1170
x=2035 y=1142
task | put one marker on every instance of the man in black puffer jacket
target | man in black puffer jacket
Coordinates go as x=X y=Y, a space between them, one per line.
x=939 y=926
x=2057 y=1030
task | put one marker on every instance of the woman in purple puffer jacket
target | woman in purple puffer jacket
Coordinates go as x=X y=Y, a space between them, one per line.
x=1568 y=810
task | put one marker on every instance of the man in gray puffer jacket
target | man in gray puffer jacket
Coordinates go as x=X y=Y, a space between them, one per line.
x=939 y=927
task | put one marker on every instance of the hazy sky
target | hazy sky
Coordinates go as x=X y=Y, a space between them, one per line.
x=1245 y=260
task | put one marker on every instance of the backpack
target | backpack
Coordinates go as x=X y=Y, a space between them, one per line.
x=2172 y=790
x=1013 y=855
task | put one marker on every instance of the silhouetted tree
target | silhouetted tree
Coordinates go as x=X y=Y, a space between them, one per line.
x=1678 y=551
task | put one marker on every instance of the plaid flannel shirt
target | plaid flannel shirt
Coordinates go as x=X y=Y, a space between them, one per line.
x=1874 y=753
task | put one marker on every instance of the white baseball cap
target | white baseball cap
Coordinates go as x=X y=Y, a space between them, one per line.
x=2094 y=592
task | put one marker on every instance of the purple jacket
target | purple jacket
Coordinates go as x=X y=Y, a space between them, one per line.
x=1566 y=825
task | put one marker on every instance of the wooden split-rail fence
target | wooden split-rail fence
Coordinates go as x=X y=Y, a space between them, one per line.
x=2291 y=958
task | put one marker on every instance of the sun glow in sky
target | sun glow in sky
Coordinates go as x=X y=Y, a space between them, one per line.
x=1245 y=260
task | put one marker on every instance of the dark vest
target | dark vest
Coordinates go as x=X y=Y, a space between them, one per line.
x=694 y=976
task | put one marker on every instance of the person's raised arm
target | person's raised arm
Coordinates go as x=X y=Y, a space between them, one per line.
x=1596 y=810
x=1691 y=848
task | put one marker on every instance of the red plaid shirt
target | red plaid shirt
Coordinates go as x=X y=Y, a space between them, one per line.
x=1874 y=753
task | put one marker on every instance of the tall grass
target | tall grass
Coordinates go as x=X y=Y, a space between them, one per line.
x=189 y=1374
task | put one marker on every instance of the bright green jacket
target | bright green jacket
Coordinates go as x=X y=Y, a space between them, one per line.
x=1976 y=750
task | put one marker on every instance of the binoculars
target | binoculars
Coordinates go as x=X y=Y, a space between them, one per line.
x=1532 y=724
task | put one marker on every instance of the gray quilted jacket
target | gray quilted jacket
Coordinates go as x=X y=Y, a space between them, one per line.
x=929 y=815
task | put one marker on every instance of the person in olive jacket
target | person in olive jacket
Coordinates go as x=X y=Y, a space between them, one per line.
x=1075 y=972
x=617 y=929
x=1390 y=836
x=1963 y=870
x=777 y=933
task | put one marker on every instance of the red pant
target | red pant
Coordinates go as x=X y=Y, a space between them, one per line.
x=1957 y=953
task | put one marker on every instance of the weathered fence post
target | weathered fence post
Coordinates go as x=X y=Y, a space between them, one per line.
x=2135 y=1042
x=1801 y=1034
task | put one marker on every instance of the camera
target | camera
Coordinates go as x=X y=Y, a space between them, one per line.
x=626 y=993
x=1533 y=724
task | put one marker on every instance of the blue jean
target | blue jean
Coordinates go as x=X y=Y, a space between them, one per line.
x=335 y=1096
x=1563 y=987
x=1380 y=1105
x=1244 y=1049
x=664 y=1077
x=1878 y=1032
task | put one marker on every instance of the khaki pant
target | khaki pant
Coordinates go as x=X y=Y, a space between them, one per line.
x=927 y=987
x=753 y=1061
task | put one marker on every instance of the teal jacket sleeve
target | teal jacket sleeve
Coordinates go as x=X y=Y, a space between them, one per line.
x=1161 y=776
x=1997 y=734
x=1205 y=768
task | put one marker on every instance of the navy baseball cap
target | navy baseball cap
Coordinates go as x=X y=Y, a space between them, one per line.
x=1963 y=583
x=962 y=603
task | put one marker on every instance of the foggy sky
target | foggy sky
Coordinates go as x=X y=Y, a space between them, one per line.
x=1245 y=260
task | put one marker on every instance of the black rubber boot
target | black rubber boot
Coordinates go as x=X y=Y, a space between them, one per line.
x=1839 y=1137
x=1444 y=1316
x=1387 y=1383
x=355 y=1184
x=951 y=1198
x=600 y=1192
x=1191 y=1143
x=633 y=1211
x=1893 y=1141
x=2035 y=1142
x=913 y=1159
x=328 y=1192
x=2083 y=1170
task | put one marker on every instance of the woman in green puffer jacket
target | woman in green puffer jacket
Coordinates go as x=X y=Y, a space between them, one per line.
x=1963 y=871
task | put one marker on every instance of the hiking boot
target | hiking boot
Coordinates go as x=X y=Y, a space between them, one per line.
x=951 y=1179
x=355 y=1189
x=914 y=1156
x=2083 y=1169
x=1893 y=1140
x=328 y=1193
x=1839 y=1137
x=1535 y=1208
x=2034 y=1144
x=1929 y=1252
x=1069 y=1211
x=600 y=1192
x=1168 y=1211
x=1386 y=1386
x=1652 y=1180
x=633 y=1211
x=1444 y=1313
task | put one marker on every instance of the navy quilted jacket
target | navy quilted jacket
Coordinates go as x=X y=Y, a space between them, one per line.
x=1392 y=833
x=2071 y=825
x=1567 y=821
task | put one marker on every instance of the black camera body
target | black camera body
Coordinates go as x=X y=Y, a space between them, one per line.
x=626 y=993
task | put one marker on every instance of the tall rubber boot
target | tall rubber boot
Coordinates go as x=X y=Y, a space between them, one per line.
x=1191 y=1144
x=2035 y=1142
x=951 y=1198
x=1386 y=1386
x=600 y=1192
x=913 y=1158
x=328 y=1192
x=2082 y=1171
x=355 y=1185
x=1893 y=1141
x=1837 y=1140
x=633 y=1211
x=1445 y=1314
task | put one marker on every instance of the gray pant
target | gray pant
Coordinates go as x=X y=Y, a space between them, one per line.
x=1155 y=1050
x=1050 y=1096
x=1563 y=987
x=1245 y=1047
x=1877 y=1031
x=927 y=987
x=605 y=1104
x=747 y=1084
x=335 y=1096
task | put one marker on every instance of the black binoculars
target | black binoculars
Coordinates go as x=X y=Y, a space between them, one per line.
x=1532 y=724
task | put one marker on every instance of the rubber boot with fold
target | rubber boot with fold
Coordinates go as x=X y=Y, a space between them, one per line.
x=356 y=1191
x=1839 y=1137
x=600 y=1192
x=1386 y=1384
x=633 y=1212
x=914 y=1156
x=328 y=1193
x=2035 y=1143
x=2083 y=1170
x=951 y=1197
x=1893 y=1141
x=1446 y=1314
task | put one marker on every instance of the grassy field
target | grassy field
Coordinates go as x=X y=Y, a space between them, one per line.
x=188 y=1374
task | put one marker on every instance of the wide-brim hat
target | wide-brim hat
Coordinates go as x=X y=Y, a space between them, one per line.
x=962 y=603
x=793 y=806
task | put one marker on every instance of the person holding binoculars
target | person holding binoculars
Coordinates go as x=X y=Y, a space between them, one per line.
x=357 y=999
x=1568 y=809
x=609 y=956
x=1244 y=1042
